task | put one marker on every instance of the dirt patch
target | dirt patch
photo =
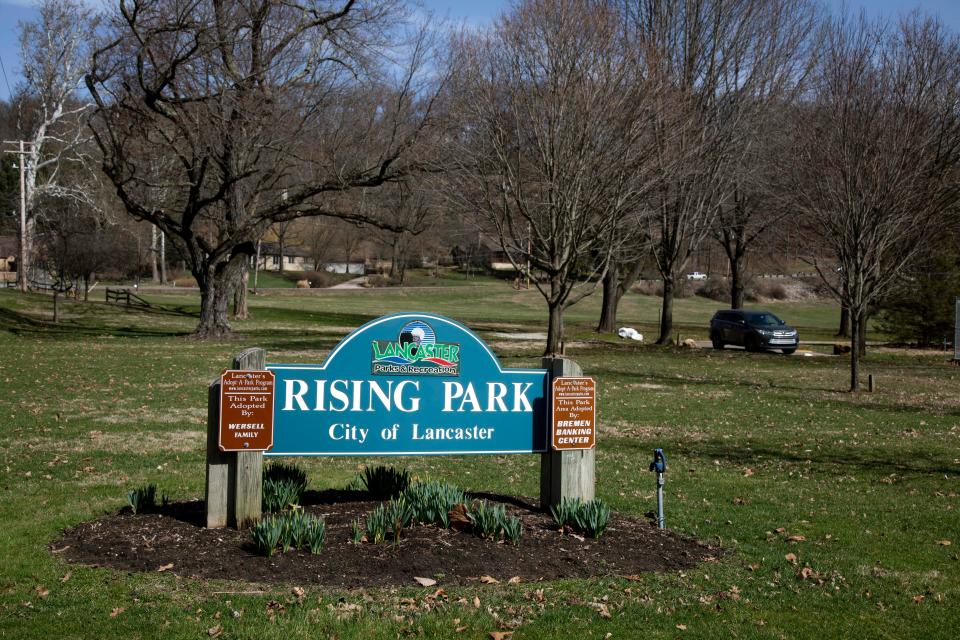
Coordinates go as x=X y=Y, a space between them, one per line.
x=176 y=537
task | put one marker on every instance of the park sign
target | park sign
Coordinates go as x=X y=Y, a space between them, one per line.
x=409 y=384
x=246 y=410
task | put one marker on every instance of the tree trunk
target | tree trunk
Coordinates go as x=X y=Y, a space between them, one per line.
x=666 y=314
x=862 y=333
x=56 y=306
x=737 y=284
x=554 y=329
x=215 y=288
x=240 y=309
x=281 y=243
x=611 y=300
x=394 y=257
x=844 y=330
x=855 y=353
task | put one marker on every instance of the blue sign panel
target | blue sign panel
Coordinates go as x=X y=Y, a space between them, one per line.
x=409 y=384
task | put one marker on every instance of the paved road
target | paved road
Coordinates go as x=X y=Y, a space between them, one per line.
x=356 y=283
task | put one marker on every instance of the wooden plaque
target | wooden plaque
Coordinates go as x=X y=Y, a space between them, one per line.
x=574 y=417
x=246 y=410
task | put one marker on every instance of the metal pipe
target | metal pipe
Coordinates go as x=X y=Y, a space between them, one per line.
x=659 y=465
x=660 y=518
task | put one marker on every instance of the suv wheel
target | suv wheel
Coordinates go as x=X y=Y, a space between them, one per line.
x=717 y=342
x=752 y=344
x=787 y=352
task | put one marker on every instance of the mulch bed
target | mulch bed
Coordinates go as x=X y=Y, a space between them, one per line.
x=176 y=536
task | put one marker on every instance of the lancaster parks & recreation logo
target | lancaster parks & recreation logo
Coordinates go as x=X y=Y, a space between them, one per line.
x=416 y=351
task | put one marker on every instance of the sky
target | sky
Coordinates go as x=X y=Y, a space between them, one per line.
x=475 y=13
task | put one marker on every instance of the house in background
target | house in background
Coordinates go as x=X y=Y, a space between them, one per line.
x=483 y=253
x=352 y=268
x=294 y=258
x=8 y=258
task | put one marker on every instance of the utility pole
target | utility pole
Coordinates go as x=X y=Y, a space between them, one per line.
x=22 y=257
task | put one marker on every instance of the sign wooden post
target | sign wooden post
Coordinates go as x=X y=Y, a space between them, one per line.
x=565 y=473
x=234 y=479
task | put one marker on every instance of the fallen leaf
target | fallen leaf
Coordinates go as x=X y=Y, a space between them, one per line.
x=476 y=602
x=791 y=558
x=501 y=635
x=748 y=472
x=603 y=611
x=41 y=591
x=425 y=582
x=460 y=629
x=213 y=632
x=165 y=567
x=66 y=576
x=806 y=573
x=682 y=627
x=514 y=580
x=944 y=543
x=117 y=611
x=796 y=538
x=918 y=599
x=458 y=517
x=489 y=580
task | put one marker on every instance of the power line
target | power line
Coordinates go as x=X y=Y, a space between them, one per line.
x=7 y=82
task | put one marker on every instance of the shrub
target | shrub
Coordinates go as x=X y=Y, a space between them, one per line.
x=683 y=289
x=399 y=515
x=487 y=519
x=592 y=517
x=144 y=499
x=565 y=512
x=316 y=534
x=356 y=483
x=279 y=494
x=385 y=482
x=286 y=472
x=432 y=501
x=772 y=290
x=283 y=486
x=715 y=288
x=377 y=525
x=266 y=535
x=649 y=288
x=318 y=279
x=512 y=529
x=357 y=531
x=298 y=529
x=589 y=517
x=291 y=530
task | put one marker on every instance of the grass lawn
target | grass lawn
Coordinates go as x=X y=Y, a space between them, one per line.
x=834 y=509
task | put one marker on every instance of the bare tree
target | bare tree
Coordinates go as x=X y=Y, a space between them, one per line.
x=877 y=154
x=545 y=142
x=407 y=206
x=633 y=246
x=753 y=174
x=54 y=53
x=268 y=110
x=712 y=63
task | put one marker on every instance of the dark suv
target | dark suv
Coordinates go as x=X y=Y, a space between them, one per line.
x=755 y=330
